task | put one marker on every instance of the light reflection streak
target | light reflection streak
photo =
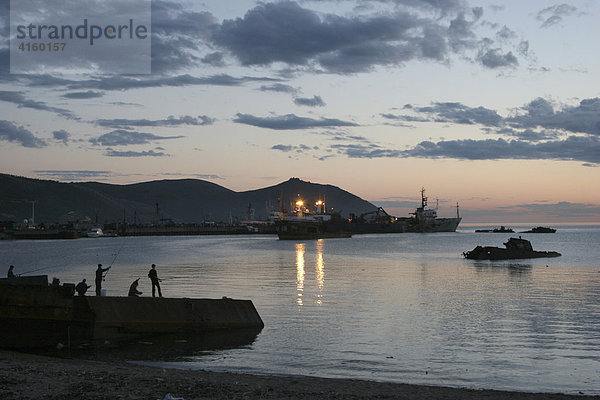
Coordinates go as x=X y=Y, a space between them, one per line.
x=301 y=271
x=320 y=270
x=300 y=249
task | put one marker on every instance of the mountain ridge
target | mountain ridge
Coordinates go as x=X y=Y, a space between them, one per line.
x=179 y=200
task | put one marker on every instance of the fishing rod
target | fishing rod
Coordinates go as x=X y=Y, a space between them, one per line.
x=113 y=260
x=38 y=269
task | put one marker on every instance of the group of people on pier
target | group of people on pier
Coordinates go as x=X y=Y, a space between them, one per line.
x=82 y=286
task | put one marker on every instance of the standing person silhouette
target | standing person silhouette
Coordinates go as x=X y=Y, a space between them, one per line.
x=153 y=275
x=99 y=277
x=10 y=273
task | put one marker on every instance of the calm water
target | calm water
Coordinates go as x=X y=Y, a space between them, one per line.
x=399 y=307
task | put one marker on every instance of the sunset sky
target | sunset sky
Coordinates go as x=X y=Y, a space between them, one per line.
x=491 y=104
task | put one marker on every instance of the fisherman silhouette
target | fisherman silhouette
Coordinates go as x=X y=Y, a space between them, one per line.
x=133 y=288
x=153 y=275
x=99 y=277
x=82 y=287
x=10 y=273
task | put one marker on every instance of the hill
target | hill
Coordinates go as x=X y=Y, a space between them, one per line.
x=184 y=200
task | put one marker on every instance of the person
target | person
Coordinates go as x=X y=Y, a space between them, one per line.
x=153 y=275
x=82 y=287
x=99 y=278
x=133 y=291
x=10 y=273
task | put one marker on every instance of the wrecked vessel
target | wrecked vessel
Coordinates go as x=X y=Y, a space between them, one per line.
x=515 y=248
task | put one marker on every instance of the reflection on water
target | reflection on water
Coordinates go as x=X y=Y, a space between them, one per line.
x=169 y=348
x=300 y=249
x=319 y=271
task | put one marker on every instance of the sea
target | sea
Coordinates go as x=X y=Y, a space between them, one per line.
x=383 y=307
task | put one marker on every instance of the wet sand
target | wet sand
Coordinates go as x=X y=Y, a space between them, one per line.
x=28 y=376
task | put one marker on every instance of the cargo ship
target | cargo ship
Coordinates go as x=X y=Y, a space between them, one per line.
x=304 y=224
x=426 y=219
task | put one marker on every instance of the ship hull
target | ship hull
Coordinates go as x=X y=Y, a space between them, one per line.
x=431 y=225
x=307 y=230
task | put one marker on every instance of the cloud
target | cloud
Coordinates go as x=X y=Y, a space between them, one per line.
x=90 y=94
x=72 y=175
x=12 y=133
x=61 y=136
x=554 y=15
x=288 y=148
x=177 y=35
x=215 y=59
x=286 y=32
x=120 y=82
x=169 y=121
x=530 y=118
x=121 y=137
x=495 y=59
x=451 y=112
x=573 y=148
x=315 y=101
x=279 y=87
x=289 y=121
x=528 y=135
x=582 y=118
x=22 y=102
x=370 y=150
x=150 y=153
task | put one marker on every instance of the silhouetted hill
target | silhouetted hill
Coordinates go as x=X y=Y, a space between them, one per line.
x=185 y=200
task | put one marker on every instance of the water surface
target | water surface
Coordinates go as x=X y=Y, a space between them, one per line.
x=396 y=307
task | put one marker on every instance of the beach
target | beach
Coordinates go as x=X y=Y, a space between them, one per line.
x=29 y=376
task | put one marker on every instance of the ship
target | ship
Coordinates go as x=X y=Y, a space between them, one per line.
x=515 y=248
x=502 y=229
x=425 y=219
x=540 y=229
x=304 y=224
x=377 y=221
x=35 y=314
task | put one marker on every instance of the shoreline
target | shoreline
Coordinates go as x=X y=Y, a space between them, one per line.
x=30 y=376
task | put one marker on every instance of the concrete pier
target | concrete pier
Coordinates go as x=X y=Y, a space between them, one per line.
x=117 y=318
x=35 y=314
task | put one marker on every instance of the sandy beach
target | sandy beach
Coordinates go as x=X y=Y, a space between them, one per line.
x=28 y=376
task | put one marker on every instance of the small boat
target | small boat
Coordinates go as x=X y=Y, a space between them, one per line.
x=95 y=233
x=514 y=249
x=502 y=229
x=540 y=229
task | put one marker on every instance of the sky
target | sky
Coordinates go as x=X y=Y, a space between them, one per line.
x=494 y=105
